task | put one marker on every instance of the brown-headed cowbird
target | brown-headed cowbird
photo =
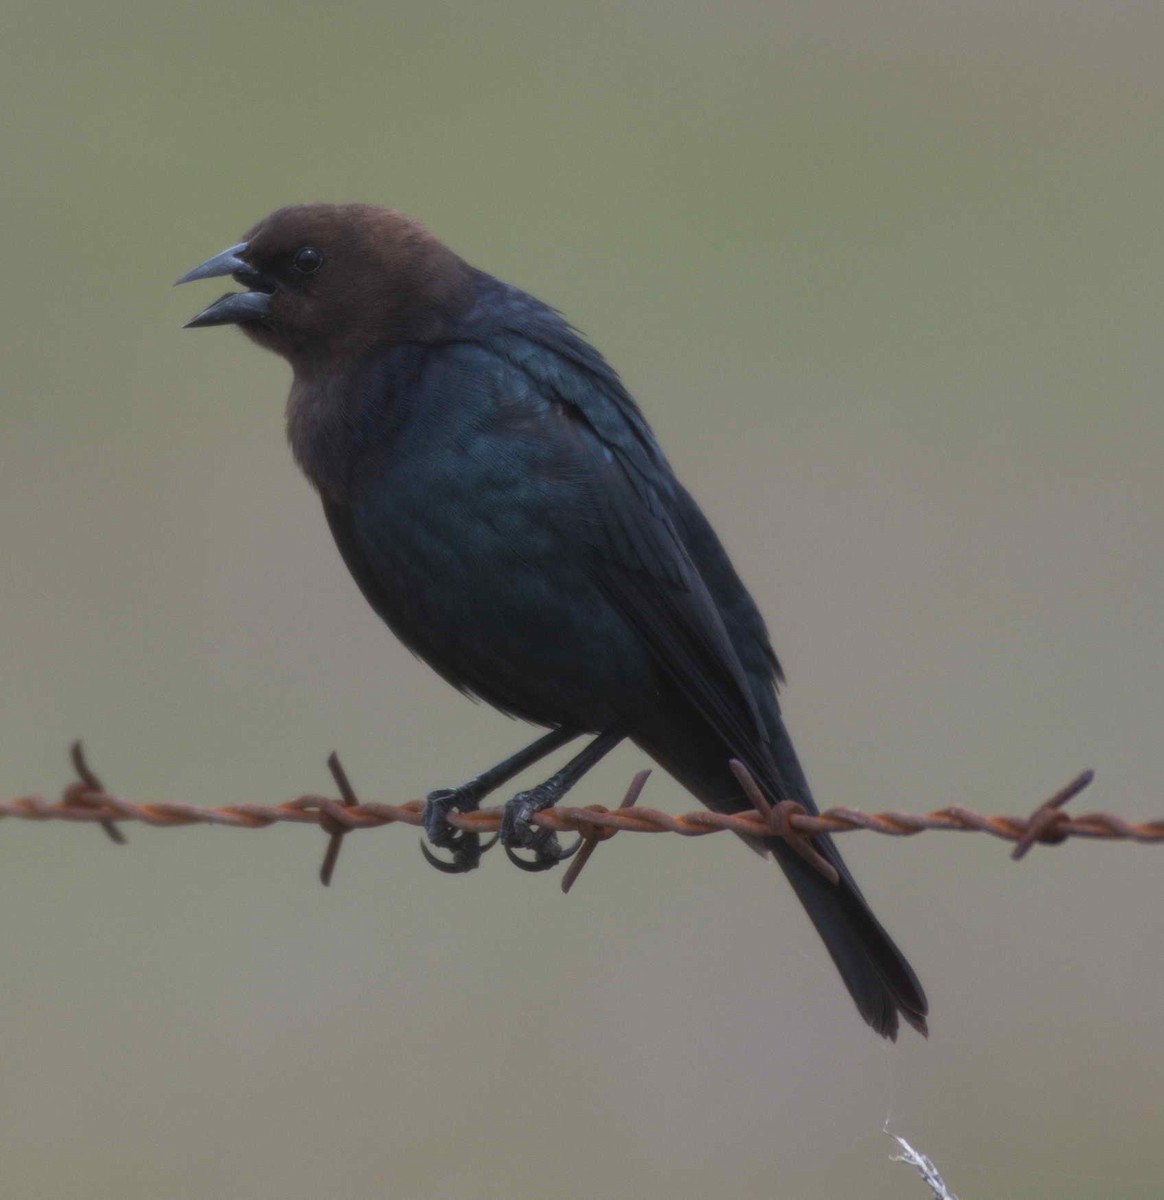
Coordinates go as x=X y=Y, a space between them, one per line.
x=505 y=508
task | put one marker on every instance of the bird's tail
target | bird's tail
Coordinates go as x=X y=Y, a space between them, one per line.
x=875 y=971
x=878 y=977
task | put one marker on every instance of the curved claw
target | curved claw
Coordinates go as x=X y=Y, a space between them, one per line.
x=458 y=866
x=538 y=864
x=572 y=850
x=464 y=845
x=545 y=858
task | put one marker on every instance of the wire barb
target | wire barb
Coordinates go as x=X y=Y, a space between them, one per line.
x=779 y=818
x=1046 y=821
x=89 y=788
x=591 y=839
x=330 y=822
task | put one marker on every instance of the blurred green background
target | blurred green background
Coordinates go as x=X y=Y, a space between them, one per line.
x=886 y=278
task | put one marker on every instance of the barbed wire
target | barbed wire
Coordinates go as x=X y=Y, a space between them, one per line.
x=86 y=800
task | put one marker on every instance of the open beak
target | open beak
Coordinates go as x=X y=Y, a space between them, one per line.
x=235 y=308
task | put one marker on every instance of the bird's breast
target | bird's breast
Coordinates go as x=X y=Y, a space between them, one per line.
x=478 y=569
x=321 y=432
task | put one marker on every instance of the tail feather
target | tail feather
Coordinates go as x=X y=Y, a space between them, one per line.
x=879 y=979
x=875 y=971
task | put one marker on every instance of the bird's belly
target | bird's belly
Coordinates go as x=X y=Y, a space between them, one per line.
x=480 y=584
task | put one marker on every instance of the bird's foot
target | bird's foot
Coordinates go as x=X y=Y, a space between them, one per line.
x=465 y=847
x=519 y=832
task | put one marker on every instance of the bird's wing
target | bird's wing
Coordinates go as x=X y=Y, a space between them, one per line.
x=639 y=557
x=748 y=632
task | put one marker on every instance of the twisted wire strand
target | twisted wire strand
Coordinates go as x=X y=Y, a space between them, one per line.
x=99 y=807
x=86 y=801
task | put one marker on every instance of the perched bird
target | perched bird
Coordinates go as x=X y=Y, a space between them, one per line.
x=503 y=505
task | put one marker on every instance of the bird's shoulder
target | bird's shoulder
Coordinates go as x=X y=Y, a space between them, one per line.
x=528 y=339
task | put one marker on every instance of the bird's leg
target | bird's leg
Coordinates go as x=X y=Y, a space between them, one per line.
x=517 y=828
x=465 y=846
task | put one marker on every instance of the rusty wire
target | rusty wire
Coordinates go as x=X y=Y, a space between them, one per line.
x=86 y=800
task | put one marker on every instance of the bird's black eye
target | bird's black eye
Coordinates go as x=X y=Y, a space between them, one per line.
x=308 y=260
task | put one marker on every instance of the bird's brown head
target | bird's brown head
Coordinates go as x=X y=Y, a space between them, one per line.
x=327 y=283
